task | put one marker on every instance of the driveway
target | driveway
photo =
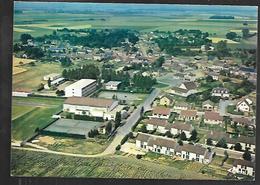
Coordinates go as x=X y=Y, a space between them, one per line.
x=223 y=105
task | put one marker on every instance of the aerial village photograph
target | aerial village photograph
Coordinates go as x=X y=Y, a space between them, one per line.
x=140 y=91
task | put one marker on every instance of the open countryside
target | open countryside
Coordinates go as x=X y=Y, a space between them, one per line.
x=99 y=90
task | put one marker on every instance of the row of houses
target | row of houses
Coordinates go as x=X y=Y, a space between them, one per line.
x=162 y=126
x=170 y=147
x=245 y=142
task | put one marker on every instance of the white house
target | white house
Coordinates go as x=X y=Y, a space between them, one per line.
x=81 y=88
x=161 y=112
x=156 y=124
x=209 y=105
x=184 y=89
x=21 y=92
x=244 y=105
x=181 y=106
x=94 y=107
x=215 y=76
x=112 y=85
x=243 y=167
x=213 y=118
x=179 y=127
x=220 y=92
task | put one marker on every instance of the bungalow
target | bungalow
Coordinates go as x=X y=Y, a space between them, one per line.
x=102 y=128
x=181 y=106
x=167 y=146
x=184 y=89
x=215 y=76
x=161 y=112
x=179 y=127
x=156 y=124
x=245 y=142
x=242 y=121
x=220 y=92
x=244 y=105
x=209 y=105
x=194 y=153
x=188 y=115
x=166 y=100
x=212 y=118
x=112 y=85
x=243 y=167
x=94 y=107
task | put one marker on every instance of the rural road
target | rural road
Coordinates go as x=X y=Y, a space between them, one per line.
x=131 y=120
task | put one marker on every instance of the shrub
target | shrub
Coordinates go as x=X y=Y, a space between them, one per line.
x=118 y=147
x=124 y=140
x=138 y=156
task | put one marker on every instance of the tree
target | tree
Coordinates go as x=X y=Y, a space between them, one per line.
x=131 y=135
x=180 y=142
x=65 y=62
x=49 y=82
x=60 y=93
x=143 y=129
x=118 y=119
x=108 y=127
x=183 y=136
x=209 y=79
x=25 y=37
x=40 y=87
x=118 y=147
x=245 y=33
x=238 y=147
x=225 y=158
x=142 y=111
x=231 y=35
x=168 y=134
x=247 y=155
x=222 y=143
x=209 y=141
x=194 y=135
x=159 y=62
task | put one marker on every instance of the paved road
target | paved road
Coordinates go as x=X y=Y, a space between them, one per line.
x=223 y=105
x=131 y=120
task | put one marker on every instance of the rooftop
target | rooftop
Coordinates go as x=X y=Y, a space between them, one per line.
x=243 y=163
x=188 y=113
x=181 y=126
x=158 y=122
x=116 y=83
x=211 y=115
x=81 y=83
x=86 y=101
x=161 y=110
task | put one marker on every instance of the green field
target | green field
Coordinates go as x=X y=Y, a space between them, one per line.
x=27 y=163
x=31 y=113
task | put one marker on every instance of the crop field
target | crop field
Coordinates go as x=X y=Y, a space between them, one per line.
x=41 y=23
x=217 y=39
x=33 y=76
x=28 y=163
x=31 y=113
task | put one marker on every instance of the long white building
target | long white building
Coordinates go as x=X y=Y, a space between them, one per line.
x=83 y=87
x=94 y=107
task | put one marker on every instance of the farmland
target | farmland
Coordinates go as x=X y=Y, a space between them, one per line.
x=27 y=163
x=31 y=113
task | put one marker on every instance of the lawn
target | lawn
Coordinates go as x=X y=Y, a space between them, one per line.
x=28 y=163
x=31 y=113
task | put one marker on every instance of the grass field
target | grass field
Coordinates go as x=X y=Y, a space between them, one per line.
x=27 y=163
x=78 y=146
x=33 y=76
x=31 y=113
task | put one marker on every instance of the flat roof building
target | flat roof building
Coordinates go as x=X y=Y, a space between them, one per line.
x=83 y=87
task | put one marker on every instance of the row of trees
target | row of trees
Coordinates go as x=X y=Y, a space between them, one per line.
x=109 y=74
x=86 y=71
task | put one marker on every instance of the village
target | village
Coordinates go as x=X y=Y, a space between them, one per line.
x=133 y=94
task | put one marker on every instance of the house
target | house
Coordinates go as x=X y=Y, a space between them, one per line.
x=245 y=142
x=112 y=85
x=156 y=124
x=209 y=105
x=220 y=92
x=170 y=147
x=194 y=153
x=181 y=106
x=94 y=107
x=184 y=89
x=83 y=87
x=161 y=112
x=243 y=167
x=52 y=76
x=242 y=121
x=102 y=128
x=188 y=115
x=179 y=127
x=213 y=118
x=166 y=100
x=244 y=105
x=215 y=76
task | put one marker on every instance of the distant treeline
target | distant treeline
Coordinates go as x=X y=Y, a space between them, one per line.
x=222 y=17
